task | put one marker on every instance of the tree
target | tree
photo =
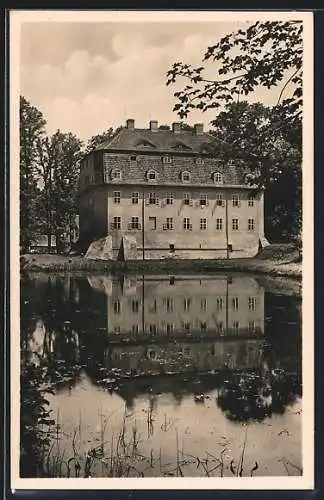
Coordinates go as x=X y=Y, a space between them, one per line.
x=265 y=54
x=59 y=159
x=261 y=55
x=32 y=128
x=100 y=138
x=240 y=126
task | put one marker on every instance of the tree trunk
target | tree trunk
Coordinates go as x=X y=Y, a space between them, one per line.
x=49 y=241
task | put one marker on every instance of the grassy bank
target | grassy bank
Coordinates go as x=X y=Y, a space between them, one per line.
x=275 y=260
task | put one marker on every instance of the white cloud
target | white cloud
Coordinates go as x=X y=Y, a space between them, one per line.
x=86 y=92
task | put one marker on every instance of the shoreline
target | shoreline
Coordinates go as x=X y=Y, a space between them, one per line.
x=284 y=268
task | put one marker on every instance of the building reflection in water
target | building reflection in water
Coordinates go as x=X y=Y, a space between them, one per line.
x=171 y=324
x=137 y=327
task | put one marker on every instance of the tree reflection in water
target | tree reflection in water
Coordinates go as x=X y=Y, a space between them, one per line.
x=247 y=396
x=72 y=336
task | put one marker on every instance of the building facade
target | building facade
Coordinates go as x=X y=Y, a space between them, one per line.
x=157 y=193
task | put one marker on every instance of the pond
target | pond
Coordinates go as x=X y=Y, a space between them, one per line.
x=146 y=376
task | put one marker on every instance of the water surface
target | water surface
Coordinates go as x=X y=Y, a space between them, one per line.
x=167 y=375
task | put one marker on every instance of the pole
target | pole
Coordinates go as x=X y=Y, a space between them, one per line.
x=226 y=224
x=143 y=241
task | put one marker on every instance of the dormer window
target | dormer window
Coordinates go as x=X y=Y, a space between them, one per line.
x=167 y=159
x=199 y=161
x=185 y=176
x=218 y=178
x=116 y=174
x=151 y=175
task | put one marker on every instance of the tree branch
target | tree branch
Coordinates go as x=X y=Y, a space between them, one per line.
x=286 y=84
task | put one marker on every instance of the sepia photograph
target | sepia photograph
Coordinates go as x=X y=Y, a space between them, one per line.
x=161 y=238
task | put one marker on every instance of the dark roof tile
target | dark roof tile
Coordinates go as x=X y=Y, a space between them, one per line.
x=165 y=141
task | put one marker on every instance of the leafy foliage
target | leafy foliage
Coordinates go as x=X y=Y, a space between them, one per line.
x=59 y=161
x=269 y=140
x=243 y=129
x=32 y=129
x=261 y=55
x=98 y=139
x=35 y=421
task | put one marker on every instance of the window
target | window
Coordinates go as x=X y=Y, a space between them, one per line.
x=116 y=174
x=169 y=223
x=220 y=327
x=168 y=304
x=235 y=224
x=252 y=303
x=152 y=199
x=251 y=201
x=117 y=330
x=116 y=223
x=152 y=329
x=219 y=303
x=135 y=330
x=116 y=307
x=236 y=326
x=135 y=198
x=185 y=176
x=203 y=326
x=251 y=326
x=203 y=305
x=152 y=223
x=187 y=224
x=151 y=175
x=151 y=354
x=218 y=178
x=169 y=199
x=116 y=196
x=133 y=158
x=171 y=247
x=187 y=199
x=187 y=327
x=167 y=159
x=235 y=303
x=251 y=224
x=219 y=224
x=169 y=328
x=203 y=224
x=236 y=200
x=152 y=307
x=135 y=223
x=135 y=306
x=219 y=200
x=203 y=199
x=199 y=161
x=186 y=304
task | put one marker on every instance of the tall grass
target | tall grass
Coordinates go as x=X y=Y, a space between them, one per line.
x=120 y=455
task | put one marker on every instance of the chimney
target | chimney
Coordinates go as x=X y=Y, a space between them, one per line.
x=176 y=127
x=130 y=123
x=153 y=125
x=199 y=128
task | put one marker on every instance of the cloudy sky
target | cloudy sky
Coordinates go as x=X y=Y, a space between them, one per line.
x=88 y=76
